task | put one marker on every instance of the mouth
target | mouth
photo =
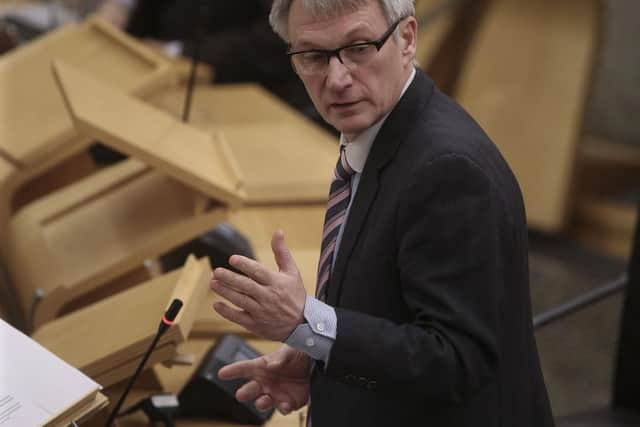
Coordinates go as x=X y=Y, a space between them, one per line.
x=343 y=105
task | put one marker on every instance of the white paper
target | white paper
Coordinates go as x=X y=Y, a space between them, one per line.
x=16 y=411
x=37 y=379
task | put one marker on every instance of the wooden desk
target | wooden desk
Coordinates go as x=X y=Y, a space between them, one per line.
x=35 y=123
x=36 y=132
x=282 y=157
x=78 y=239
x=106 y=340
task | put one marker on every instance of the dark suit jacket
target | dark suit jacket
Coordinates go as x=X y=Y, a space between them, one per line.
x=430 y=284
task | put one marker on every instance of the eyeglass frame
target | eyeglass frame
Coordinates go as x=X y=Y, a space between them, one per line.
x=330 y=53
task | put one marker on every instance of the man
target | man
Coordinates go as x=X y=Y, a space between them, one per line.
x=422 y=315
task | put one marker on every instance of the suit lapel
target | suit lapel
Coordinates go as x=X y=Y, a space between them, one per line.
x=383 y=150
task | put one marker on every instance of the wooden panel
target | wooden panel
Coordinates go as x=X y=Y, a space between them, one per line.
x=150 y=135
x=282 y=156
x=526 y=81
x=280 y=163
x=77 y=239
x=435 y=20
x=106 y=339
x=228 y=104
x=33 y=121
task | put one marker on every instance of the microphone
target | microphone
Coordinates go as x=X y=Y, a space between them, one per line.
x=167 y=320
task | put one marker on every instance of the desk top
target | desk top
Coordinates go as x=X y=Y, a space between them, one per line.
x=34 y=123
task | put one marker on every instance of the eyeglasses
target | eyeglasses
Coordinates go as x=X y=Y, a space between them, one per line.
x=316 y=61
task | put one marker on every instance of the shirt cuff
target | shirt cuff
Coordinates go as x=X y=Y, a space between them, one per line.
x=315 y=337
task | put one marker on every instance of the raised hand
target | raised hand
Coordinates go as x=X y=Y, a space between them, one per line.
x=271 y=303
x=279 y=379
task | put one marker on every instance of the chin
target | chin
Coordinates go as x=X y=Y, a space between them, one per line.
x=352 y=125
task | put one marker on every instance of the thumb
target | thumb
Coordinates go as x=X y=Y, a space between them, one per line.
x=281 y=253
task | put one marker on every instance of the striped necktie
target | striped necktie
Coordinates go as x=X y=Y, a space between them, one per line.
x=339 y=197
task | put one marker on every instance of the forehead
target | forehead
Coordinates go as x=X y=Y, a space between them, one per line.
x=313 y=29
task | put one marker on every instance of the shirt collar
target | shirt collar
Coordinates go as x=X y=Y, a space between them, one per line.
x=357 y=150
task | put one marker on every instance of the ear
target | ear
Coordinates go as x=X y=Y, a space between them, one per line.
x=408 y=39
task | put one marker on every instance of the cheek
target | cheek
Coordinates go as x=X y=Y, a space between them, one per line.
x=314 y=90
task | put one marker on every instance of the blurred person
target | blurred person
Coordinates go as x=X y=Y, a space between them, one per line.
x=235 y=39
x=422 y=314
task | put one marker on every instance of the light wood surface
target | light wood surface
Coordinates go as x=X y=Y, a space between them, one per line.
x=106 y=339
x=525 y=81
x=33 y=122
x=140 y=130
x=282 y=156
x=83 y=236
x=235 y=103
x=432 y=32
x=21 y=174
x=302 y=226
x=7 y=168
x=280 y=162
x=36 y=132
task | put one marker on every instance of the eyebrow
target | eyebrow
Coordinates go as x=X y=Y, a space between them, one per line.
x=351 y=34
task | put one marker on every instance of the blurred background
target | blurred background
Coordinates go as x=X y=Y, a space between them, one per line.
x=556 y=84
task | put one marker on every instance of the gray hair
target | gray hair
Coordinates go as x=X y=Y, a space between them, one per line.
x=279 y=18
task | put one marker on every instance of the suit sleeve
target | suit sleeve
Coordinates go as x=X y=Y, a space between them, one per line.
x=448 y=230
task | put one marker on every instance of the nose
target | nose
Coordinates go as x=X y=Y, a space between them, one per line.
x=338 y=75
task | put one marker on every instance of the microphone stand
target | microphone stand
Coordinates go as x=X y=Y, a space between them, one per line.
x=167 y=320
x=199 y=34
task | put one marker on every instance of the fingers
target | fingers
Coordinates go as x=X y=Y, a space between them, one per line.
x=264 y=402
x=253 y=269
x=238 y=282
x=282 y=255
x=236 y=316
x=249 y=391
x=285 y=408
x=241 y=369
x=239 y=299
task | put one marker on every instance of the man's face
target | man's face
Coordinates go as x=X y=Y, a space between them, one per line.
x=353 y=99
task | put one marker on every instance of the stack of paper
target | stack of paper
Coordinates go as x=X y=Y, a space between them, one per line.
x=37 y=388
